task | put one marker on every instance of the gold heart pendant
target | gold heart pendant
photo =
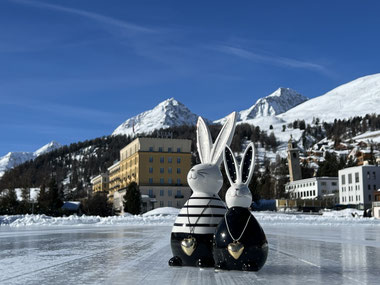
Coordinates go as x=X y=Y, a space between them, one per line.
x=188 y=245
x=235 y=249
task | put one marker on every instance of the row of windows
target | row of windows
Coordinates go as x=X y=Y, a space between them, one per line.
x=304 y=194
x=160 y=149
x=301 y=185
x=162 y=193
x=343 y=177
x=357 y=198
x=373 y=175
x=374 y=187
x=162 y=170
x=162 y=159
x=162 y=181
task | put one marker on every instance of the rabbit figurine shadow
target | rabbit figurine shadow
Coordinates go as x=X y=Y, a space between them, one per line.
x=193 y=230
x=239 y=241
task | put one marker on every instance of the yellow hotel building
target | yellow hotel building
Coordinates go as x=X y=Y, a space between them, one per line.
x=159 y=166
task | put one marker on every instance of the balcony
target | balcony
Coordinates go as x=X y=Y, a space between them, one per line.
x=376 y=204
x=178 y=196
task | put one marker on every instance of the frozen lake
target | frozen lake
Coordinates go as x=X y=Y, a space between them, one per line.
x=133 y=254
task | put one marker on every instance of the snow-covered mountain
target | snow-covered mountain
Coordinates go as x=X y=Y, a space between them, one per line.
x=168 y=113
x=280 y=101
x=12 y=159
x=356 y=98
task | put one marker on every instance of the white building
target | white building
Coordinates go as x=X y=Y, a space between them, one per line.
x=358 y=184
x=312 y=188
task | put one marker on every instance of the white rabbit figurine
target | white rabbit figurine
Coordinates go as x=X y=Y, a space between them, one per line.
x=239 y=241
x=194 y=227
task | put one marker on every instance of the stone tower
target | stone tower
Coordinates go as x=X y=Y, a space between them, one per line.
x=294 y=161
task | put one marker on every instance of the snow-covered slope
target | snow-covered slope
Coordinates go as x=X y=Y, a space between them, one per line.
x=356 y=98
x=276 y=103
x=280 y=101
x=47 y=148
x=12 y=159
x=168 y=113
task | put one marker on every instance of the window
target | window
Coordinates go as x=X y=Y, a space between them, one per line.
x=368 y=176
x=150 y=180
x=170 y=193
x=161 y=170
x=170 y=160
x=169 y=149
x=178 y=170
x=150 y=148
x=333 y=183
x=179 y=193
x=369 y=197
x=179 y=181
x=150 y=158
x=178 y=149
x=323 y=183
x=356 y=177
x=150 y=169
x=294 y=155
x=161 y=192
x=178 y=160
x=374 y=175
x=161 y=203
x=161 y=180
x=169 y=203
x=162 y=159
x=160 y=149
x=369 y=187
x=150 y=193
x=314 y=192
x=350 y=178
x=170 y=181
x=169 y=170
x=374 y=187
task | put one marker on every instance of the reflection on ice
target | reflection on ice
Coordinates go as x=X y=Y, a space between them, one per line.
x=138 y=255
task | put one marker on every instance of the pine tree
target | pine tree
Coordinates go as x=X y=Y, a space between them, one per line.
x=42 y=200
x=55 y=202
x=8 y=203
x=132 y=199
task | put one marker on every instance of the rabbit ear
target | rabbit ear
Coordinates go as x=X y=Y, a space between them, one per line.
x=224 y=138
x=230 y=165
x=247 y=164
x=204 y=141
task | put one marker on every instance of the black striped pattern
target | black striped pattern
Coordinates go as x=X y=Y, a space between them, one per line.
x=201 y=214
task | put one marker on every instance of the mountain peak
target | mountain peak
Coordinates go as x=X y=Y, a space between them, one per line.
x=276 y=103
x=166 y=114
x=47 y=148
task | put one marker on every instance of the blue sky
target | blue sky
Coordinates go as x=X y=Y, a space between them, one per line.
x=75 y=69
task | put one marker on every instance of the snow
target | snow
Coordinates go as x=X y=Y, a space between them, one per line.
x=126 y=253
x=167 y=215
x=12 y=159
x=368 y=136
x=356 y=98
x=168 y=113
x=162 y=211
x=33 y=192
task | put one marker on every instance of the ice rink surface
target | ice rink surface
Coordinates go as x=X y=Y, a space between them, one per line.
x=124 y=254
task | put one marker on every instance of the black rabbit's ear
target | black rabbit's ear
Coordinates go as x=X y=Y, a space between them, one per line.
x=230 y=165
x=247 y=164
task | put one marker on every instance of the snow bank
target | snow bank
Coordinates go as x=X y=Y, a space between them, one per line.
x=43 y=220
x=166 y=217
x=162 y=211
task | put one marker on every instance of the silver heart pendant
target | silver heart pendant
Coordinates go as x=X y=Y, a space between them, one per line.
x=188 y=245
x=235 y=249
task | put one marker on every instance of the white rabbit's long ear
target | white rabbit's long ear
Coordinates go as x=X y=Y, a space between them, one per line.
x=204 y=141
x=230 y=165
x=224 y=138
x=247 y=164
